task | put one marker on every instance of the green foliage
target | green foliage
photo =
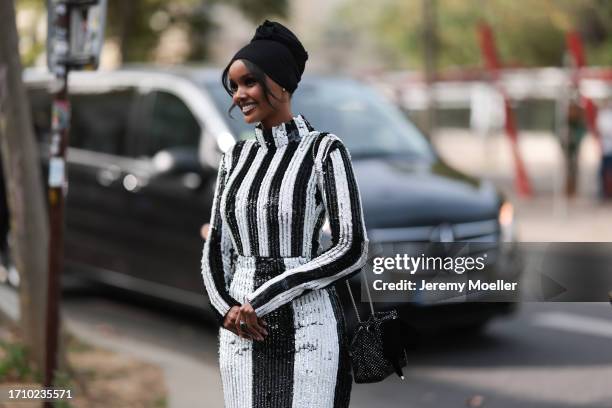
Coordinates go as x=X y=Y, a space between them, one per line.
x=138 y=25
x=63 y=380
x=257 y=11
x=161 y=402
x=529 y=33
x=29 y=57
x=15 y=365
x=31 y=3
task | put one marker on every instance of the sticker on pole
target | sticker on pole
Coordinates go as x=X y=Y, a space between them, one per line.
x=56 y=172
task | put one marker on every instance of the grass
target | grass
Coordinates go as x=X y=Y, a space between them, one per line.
x=97 y=377
x=63 y=380
x=161 y=402
x=14 y=365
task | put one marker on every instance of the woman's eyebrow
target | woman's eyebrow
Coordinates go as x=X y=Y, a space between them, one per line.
x=248 y=75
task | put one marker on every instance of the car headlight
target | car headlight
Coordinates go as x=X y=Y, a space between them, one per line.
x=506 y=222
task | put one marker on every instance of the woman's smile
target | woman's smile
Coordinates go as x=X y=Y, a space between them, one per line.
x=248 y=108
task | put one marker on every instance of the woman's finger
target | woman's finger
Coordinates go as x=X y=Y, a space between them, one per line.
x=246 y=329
x=241 y=332
x=253 y=322
x=249 y=316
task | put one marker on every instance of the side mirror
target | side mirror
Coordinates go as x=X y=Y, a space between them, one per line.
x=177 y=160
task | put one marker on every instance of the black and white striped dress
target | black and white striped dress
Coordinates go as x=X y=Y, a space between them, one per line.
x=272 y=196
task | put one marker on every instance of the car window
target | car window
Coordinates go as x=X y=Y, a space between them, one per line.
x=367 y=123
x=100 y=121
x=169 y=124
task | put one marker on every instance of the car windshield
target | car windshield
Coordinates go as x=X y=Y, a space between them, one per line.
x=368 y=124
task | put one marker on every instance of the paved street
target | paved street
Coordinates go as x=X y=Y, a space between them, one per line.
x=533 y=360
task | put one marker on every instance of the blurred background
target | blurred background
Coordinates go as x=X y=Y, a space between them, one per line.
x=468 y=121
x=400 y=47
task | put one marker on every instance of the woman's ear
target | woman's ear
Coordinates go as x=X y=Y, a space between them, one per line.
x=286 y=95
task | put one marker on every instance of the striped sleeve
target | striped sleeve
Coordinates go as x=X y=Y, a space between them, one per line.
x=216 y=256
x=349 y=248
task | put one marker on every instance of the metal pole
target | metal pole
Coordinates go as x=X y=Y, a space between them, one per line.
x=57 y=188
x=430 y=46
x=562 y=101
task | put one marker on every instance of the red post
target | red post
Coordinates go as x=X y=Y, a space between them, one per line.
x=492 y=63
x=574 y=45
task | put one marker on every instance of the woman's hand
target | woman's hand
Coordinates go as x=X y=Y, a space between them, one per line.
x=254 y=328
x=230 y=319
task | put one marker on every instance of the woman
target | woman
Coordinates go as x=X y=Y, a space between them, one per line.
x=283 y=340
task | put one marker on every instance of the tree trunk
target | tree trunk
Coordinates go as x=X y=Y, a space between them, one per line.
x=29 y=227
x=121 y=15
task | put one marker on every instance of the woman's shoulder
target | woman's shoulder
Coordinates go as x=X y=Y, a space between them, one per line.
x=238 y=147
x=325 y=143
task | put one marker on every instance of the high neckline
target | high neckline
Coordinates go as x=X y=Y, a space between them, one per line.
x=282 y=134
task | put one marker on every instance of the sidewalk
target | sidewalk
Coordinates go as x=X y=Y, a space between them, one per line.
x=548 y=216
x=491 y=158
x=190 y=382
x=184 y=376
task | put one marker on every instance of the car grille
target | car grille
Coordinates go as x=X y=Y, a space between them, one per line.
x=460 y=239
x=486 y=231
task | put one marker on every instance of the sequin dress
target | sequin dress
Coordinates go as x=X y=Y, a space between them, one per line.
x=273 y=193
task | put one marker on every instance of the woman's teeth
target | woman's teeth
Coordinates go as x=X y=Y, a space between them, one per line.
x=248 y=108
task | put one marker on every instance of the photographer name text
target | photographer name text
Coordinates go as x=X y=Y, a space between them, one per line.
x=424 y=285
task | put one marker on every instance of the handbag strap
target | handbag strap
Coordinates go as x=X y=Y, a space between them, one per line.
x=350 y=291
x=346 y=280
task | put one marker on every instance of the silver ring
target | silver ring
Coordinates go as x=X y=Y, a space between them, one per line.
x=243 y=325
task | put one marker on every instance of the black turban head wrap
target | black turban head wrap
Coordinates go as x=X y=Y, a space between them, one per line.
x=278 y=52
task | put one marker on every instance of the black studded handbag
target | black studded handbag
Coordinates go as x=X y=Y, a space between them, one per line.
x=377 y=348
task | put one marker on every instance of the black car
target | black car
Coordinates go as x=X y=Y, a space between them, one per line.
x=144 y=150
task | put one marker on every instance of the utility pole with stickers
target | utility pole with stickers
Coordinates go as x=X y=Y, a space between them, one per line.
x=74 y=41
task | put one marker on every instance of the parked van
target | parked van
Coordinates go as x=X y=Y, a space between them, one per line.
x=144 y=150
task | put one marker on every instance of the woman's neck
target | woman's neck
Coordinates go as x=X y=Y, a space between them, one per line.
x=282 y=117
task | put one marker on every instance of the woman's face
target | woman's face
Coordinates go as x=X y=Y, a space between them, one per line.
x=249 y=96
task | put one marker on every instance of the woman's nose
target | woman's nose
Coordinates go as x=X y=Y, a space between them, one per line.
x=239 y=95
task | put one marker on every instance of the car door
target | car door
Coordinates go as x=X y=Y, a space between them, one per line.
x=174 y=200
x=97 y=223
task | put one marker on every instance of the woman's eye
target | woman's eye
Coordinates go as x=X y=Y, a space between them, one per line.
x=250 y=82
